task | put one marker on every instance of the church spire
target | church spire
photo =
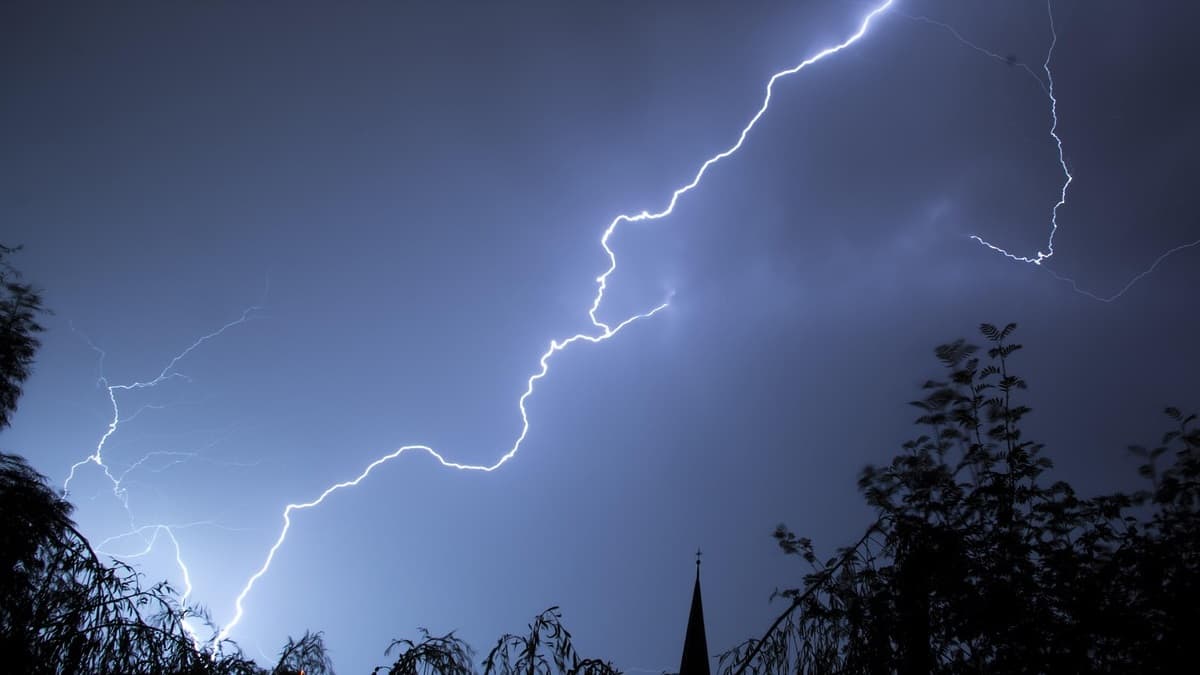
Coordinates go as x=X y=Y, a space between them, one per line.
x=695 y=644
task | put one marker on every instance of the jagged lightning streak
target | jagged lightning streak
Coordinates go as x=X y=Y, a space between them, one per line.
x=986 y=52
x=168 y=372
x=187 y=576
x=148 y=546
x=169 y=530
x=1047 y=86
x=555 y=347
x=1143 y=274
x=176 y=458
x=606 y=330
x=119 y=491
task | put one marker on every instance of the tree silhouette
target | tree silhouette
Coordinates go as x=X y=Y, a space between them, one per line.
x=444 y=655
x=306 y=656
x=976 y=563
x=63 y=609
x=545 y=650
x=20 y=306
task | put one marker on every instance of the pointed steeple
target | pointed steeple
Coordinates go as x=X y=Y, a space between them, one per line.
x=695 y=644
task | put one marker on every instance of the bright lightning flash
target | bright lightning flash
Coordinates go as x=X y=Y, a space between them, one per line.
x=606 y=330
x=167 y=373
x=1047 y=86
x=118 y=489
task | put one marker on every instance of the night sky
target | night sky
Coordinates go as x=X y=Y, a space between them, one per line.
x=413 y=195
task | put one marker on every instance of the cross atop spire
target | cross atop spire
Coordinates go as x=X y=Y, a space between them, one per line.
x=695 y=643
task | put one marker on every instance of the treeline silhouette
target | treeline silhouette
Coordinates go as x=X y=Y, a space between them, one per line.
x=975 y=562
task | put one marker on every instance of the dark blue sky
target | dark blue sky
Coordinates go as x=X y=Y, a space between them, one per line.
x=414 y=193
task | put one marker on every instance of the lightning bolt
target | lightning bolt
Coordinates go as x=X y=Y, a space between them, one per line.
x=148 y=546
x=167 y=373
x=555 y=347
x=118 y=489
x=149 y=543
x=169 y=531
x=176 y=458
x=606 y=331
x=986 y=52
x=1141 y=275
x=1047 y=86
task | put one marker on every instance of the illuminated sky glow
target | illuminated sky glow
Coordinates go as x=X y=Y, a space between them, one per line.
x=404 y=300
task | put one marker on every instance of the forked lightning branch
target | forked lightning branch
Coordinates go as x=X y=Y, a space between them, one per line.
x=603 y=330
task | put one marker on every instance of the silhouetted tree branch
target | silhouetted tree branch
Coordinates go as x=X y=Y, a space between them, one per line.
x=20 y=306
x=976 y=563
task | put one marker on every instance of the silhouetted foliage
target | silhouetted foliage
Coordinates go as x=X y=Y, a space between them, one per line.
x=63 y=610
x=545 y=650
x=444 y=655
x=976 y=564
x=306 y=656
x=20 y=306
